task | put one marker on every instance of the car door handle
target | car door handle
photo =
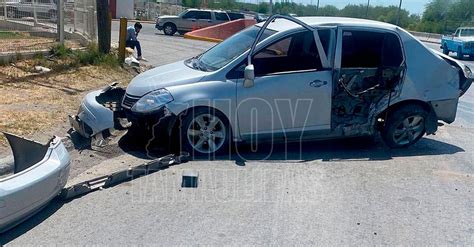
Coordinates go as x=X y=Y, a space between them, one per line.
x=318 y=83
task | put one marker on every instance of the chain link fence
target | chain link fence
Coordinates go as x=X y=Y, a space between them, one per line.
x=31 y=25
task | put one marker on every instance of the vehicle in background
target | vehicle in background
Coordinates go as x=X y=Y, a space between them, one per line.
x=190 y=20
x=46 y=9
x=235 y=16
x=461 y=42
x=261 y=17
x=39 y=173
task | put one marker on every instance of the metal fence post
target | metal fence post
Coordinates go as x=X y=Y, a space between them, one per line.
x=35 y=15
x=5 y=9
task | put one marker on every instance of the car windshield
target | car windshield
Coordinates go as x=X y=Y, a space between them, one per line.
x=221 y=54
x=467 y=32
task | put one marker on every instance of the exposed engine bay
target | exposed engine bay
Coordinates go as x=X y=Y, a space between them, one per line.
x=357 y=90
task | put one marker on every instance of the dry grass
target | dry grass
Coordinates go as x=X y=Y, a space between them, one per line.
x=31 y=102
x=20 y=41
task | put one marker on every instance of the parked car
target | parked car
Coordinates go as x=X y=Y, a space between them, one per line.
x=260 y=18
x=39 y=173
x=461 y=42
x=235 y=16
x=305 y=78
x=190 y=20
x=26 y=8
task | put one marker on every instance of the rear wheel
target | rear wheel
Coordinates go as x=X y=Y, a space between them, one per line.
x=460 y=55
x=445 y=49
x=405 y=126
x=169 y=29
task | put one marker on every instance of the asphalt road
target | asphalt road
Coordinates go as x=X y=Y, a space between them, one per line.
x=346 y=192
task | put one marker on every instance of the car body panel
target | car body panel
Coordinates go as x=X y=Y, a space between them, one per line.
x=426 y=77
x=28 y=190
x=189 y=24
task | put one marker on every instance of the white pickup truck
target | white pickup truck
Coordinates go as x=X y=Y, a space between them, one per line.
x=461 y=42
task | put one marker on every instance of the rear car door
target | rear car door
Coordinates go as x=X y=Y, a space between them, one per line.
x=220 y=17
x=204 y=19
x=291 y=92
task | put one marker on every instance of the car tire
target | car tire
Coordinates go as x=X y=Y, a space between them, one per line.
x=169 y=29
x=460 y=55
x=202 y=126
x=404 y=126
x=445 y=49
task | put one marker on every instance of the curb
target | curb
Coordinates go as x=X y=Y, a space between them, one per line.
x=189 y=36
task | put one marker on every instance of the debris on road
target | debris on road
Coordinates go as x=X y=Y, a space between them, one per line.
x=190 y=179
x=115 y=178
x=40 y=171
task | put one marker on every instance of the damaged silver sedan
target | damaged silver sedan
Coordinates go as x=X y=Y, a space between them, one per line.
x=293 y=79
x=39 y=173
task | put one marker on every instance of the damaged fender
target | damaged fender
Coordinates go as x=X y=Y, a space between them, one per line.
x=40 y=172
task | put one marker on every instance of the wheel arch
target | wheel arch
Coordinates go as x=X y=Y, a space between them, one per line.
x=431 y=123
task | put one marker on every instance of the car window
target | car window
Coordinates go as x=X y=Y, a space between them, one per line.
x=190 y=15
x=456 y=33
x=366 y=49
x=294 y=53
x=43 y=1
x=203 y=15
x=235 y=16
x=221 y=16
x=467 y=32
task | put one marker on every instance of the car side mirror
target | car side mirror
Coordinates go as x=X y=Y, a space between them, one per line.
x=249 y=76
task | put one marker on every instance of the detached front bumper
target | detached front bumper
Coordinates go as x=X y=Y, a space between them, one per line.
x=40 y=172
x=99 y=111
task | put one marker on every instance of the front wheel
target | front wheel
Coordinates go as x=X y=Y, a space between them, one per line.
x=204 y=131
x=405 y=126
x=445 y=49
x=460 y=55
x=169 y=29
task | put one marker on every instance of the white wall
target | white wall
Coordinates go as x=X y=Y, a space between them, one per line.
x=125 y=9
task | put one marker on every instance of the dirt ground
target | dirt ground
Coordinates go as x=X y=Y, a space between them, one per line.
x=20 y=41
x=35 y=104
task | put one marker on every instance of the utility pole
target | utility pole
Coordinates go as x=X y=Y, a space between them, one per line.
x=367 y=10
x=270 y=8
x=317 y=7
x=103 y=24
x=399 y=11
x=60 y=21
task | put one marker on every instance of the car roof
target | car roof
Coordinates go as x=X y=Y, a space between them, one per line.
x=284 y=25
x=212 y=10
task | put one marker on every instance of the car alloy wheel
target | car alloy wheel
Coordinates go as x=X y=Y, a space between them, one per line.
x=206 y=133
x=169 y=30
x=409 y=130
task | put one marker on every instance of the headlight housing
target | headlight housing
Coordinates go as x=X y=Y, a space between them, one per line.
x=152 y=101
x=467 y=72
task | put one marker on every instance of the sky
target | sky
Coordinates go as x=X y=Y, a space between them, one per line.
x=414 y=6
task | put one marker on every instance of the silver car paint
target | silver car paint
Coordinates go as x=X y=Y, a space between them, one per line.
x=427 y=78
x=25 y=192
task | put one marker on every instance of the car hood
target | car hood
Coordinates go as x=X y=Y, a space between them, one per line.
x=467 y=39
x=169 y=75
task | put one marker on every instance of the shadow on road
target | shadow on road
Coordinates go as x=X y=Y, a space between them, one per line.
x=30 y=223
x=361 y=148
